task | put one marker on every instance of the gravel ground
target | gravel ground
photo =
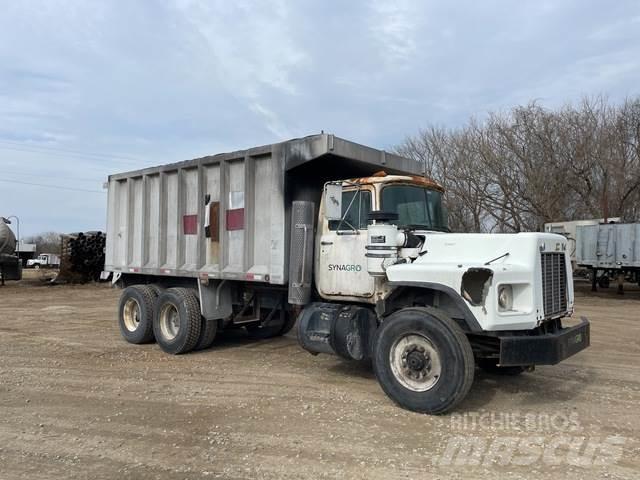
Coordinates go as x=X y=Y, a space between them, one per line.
x=76 y=401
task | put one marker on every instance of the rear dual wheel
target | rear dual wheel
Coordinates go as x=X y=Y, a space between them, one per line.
x=278 y=326
x=135 y=314
x=208 y=332
x=177 y=322
x=148 y=312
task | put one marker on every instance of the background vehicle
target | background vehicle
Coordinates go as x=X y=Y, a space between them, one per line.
x=10 y=264
x=348 y=240
x=44 y=260
x=609 y=251
x=569 y=231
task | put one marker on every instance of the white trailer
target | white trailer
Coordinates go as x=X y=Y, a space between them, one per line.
x=351 y=242
x=609 y=250
x=568 y=230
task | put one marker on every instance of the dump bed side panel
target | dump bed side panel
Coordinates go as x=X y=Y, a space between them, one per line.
x=160 y=223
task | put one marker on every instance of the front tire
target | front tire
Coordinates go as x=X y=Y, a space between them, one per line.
x=177 y=321
x=423 y=360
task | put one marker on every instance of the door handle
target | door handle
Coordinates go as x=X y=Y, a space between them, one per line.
x=324 y=242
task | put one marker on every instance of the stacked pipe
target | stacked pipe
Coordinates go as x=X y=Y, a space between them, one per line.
x=82 y=258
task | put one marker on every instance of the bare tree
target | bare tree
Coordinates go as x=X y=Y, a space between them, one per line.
x=47 y=242
x=516 y=171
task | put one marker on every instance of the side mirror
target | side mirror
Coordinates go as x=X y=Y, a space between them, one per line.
x=333 y=201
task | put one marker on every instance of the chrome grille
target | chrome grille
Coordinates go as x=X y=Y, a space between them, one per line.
x=554 y=283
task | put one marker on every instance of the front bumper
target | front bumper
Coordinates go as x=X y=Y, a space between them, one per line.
x=546 y=349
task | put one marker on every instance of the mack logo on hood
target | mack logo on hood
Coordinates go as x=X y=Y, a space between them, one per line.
x=345 y=267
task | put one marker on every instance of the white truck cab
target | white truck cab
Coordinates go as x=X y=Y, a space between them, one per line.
x=383 y=241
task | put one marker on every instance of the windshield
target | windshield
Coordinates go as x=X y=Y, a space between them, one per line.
x=417 y=207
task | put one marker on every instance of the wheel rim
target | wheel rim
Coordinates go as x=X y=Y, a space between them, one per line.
x=415 y=362
x=131 y=314
x=169 y=321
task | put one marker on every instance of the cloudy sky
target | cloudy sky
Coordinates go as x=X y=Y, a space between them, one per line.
x=89 y=88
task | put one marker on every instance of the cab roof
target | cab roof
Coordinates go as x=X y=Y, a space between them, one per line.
x=383 y=177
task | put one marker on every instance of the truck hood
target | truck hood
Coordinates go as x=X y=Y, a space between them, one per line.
x=511 y=259
x=476 y=249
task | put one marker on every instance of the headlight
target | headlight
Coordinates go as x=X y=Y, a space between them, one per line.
x=505 y=297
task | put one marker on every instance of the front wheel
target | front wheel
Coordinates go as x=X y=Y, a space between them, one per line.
x=423 y=360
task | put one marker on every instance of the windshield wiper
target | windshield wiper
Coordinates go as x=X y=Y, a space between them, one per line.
x=422 y=226
x=417 y=225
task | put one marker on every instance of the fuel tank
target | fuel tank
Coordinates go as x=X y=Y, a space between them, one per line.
x=338 y=329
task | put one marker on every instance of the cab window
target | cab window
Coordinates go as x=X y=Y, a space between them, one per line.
x=356 y=216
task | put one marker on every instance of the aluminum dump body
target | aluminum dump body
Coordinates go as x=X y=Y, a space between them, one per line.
x=609 y=246
x=226 y=216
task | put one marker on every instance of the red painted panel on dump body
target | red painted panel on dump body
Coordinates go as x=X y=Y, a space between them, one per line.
x=190 y=224
x=235 y=219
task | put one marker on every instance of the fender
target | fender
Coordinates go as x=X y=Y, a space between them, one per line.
x=470 y=321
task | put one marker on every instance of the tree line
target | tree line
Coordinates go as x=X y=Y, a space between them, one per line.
x=47 y=242
x=516 y=170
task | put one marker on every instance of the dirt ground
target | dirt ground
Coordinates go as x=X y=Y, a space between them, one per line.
x=76 y=401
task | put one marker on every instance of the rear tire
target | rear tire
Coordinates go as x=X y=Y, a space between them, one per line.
x=135 y=314
x=276 y=327
x=208 y=332
x=156 y=289
x=423 y=360
x=177 y=322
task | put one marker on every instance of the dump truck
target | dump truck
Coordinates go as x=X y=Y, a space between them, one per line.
x=353 y=243
x=44 y=260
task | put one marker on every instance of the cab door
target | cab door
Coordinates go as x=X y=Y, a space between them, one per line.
x=342 y=266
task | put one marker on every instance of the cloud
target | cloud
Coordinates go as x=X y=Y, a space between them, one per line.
x=245 y=46
x=393 y=26
x=273 y=123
